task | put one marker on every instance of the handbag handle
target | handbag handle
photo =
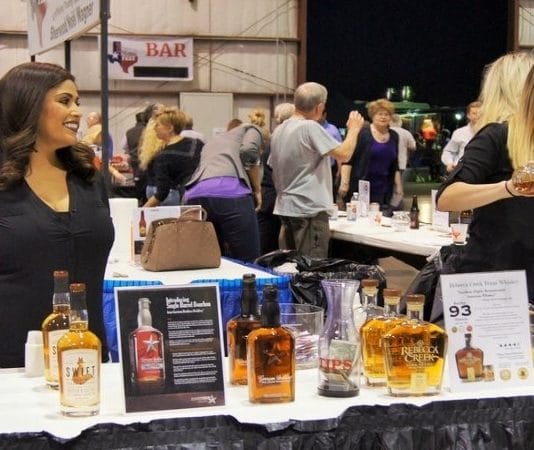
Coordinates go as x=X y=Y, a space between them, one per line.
x=203 y=212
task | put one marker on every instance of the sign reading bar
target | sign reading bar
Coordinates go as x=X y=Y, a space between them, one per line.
x=150 y=58
x=170 y=346
x=51 y=22
x=487 y=321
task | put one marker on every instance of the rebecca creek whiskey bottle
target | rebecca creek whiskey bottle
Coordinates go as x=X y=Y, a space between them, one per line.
x=79 y=356
x=372 y=334
x=147 y=356
x=55 y=326
x=238 y=329
x=470 y=361
x=271 y=355
x=415 y=353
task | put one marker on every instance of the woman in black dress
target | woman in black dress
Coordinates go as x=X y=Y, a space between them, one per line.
x=54 y=212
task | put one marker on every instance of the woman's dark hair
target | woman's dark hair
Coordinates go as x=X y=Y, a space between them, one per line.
x=22 y=93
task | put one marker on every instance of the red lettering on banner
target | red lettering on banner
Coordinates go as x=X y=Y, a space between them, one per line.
x=165 y=50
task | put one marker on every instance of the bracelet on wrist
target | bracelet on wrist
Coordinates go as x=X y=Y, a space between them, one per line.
x=508 y=189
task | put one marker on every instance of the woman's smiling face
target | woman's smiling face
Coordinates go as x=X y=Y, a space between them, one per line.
x=60 y=117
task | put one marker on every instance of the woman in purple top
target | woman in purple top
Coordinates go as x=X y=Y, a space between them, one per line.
x=375 y=158
x=227 y=183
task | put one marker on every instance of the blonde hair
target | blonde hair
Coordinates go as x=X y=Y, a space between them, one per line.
x=283 y=111
x=501 y=87
x=377 y=105
x=521 y=126
x=257 y=117
x=150 y=144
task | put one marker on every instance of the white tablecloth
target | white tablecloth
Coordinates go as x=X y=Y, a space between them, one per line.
x=424 y=241
x=27 y=405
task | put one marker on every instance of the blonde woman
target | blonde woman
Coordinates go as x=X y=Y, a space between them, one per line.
x=500 y=235
x=173 y=165
x=257 y=117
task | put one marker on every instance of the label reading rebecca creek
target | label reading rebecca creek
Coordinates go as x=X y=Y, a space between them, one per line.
x=80 y=377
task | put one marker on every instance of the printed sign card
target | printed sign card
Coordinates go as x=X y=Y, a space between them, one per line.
x=364 y=196
x=487 y=321
x=143 y=217
x=170 y=346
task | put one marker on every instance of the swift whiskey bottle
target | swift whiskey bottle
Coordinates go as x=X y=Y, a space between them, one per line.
x=372 y=334
x=147 y=357
x=271 y=355
x=470 y=361
x=55 y=325
x=238 y=329
x=414 y=214
x=79 y=356
x=414 y=353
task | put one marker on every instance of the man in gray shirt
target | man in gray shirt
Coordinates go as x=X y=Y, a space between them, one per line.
x=301 y=171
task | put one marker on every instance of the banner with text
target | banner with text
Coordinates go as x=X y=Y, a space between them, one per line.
x=150 y=58
x=51 y=22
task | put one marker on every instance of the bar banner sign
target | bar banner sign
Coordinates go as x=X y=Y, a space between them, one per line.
x=52 y=22
x=150 y=58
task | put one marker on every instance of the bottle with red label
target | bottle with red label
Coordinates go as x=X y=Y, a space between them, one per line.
x=147 y=356
x=339 y=343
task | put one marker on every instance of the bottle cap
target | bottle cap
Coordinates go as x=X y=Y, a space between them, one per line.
x=391 y=296
x=369 y=282
x=416 y=299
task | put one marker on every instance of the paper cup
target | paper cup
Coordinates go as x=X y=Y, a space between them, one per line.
x=459 y=232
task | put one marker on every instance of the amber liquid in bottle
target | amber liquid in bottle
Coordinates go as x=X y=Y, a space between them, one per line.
x=238 y=329
x=372 y=334
x=147 y=356
x=79 y=356
x=271 y=356
x=369 y=298
x=56 y=325
x=142 y=225
x=470 y=361
x=415 y=353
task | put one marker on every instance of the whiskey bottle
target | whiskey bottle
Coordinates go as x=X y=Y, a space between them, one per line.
x=147 y=356
x=372 y=334
x=271 y=355
x=414 y=353
x=142 y=225
x=369 y=298
x=414 y=214
x=239 y=327
x=470 y=361
x=55 y=325
x=79 y=356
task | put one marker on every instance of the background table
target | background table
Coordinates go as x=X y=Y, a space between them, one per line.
x=29 y=416
x=228 y=276
x=360 y=240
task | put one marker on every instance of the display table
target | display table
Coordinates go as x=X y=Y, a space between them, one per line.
x=372 y=420
x=424 y=241
x=228 y=276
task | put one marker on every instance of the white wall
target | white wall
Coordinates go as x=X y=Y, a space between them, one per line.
x=246 y=47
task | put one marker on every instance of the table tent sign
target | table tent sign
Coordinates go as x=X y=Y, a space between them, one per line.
x=170 y=347
x=487 y=321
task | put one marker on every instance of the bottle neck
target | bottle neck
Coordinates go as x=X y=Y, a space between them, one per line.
x=270 y=314
x=144 y=318
x=369 y=297
x=78 y=317
x=249 y=302
x=468 y=342
x=414 y=313
x=60 y=299
x=391 y=308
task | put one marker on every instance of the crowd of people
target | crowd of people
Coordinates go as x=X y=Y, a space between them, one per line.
x=262 y=189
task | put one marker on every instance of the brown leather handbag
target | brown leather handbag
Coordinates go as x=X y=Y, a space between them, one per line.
x=181 y=243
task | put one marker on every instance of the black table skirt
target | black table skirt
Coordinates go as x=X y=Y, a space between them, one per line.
x=498 y=423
